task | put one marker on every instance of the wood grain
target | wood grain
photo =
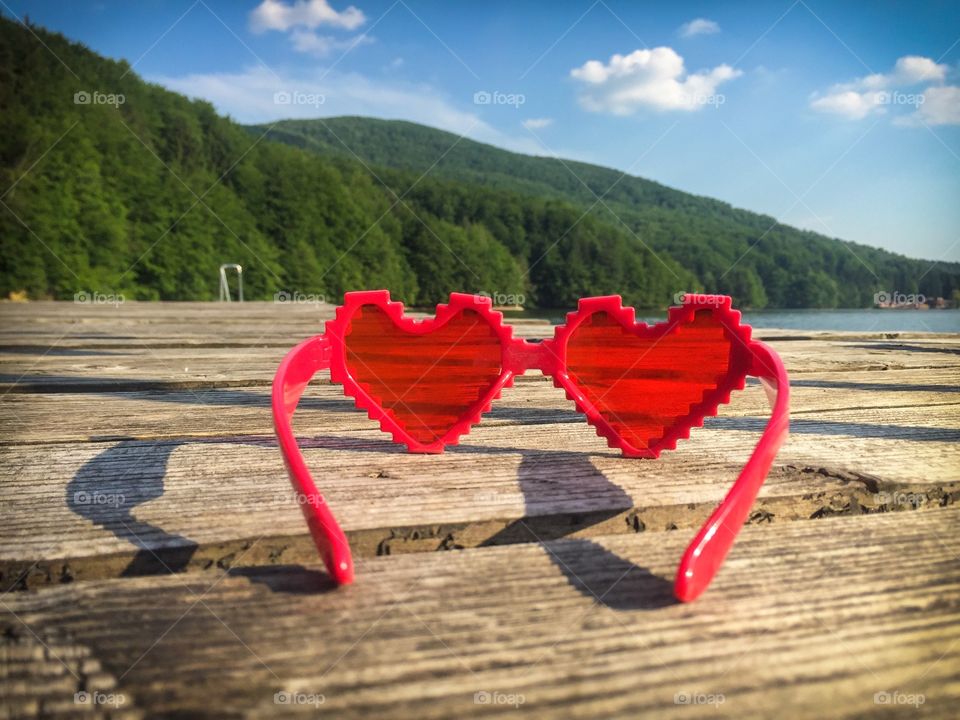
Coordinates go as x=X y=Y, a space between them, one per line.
x=151 y=549
x=190 y=475
x=68 y=502
x=812 y=619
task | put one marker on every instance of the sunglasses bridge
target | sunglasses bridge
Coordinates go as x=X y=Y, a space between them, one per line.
x=522 y=355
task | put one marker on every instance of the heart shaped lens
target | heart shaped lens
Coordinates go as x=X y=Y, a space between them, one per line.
x=426 y=381
x=650 y=383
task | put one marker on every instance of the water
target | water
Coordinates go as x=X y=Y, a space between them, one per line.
x=941 y=321
x=857 y=320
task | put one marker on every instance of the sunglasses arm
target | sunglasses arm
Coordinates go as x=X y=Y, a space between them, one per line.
x=706 y=553
x=293 y=375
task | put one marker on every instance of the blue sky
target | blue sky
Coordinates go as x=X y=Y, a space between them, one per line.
x=843 y=118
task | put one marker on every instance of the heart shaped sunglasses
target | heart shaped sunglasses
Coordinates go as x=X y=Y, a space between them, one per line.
x=642 y=388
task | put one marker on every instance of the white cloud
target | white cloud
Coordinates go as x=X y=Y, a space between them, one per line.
x=941 y=106
x=278 y=15
x=301 y=18
x=537 y=123
x=257 y=95
x=878 y=92
x=700 y=26
x=309 y=42
x=907 y=71
x=848 y=103
x=913 y=69
x=648 y=78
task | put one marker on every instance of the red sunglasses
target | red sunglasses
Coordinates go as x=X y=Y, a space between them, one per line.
x=642 y=387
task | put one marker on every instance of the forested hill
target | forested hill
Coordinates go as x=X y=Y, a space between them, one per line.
x=148 y=196
x=111 y=184
x=409 y=146
x=772 y=263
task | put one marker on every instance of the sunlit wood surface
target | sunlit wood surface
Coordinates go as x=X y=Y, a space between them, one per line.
x=525 y=572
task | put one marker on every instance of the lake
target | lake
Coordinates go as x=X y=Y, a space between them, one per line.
x=865 y=320
x=857 y=320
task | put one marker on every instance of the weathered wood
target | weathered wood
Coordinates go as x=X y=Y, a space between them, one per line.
x=139 y=316
x=71 y=347
x=810 y=619
x=71 y=326
x=141 y=367
x=109 y=413
x=200 y=476
x=69 y=504
x=136 y=441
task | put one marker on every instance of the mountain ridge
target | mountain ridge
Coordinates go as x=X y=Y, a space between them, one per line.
x=732 y=235
x=452 y=139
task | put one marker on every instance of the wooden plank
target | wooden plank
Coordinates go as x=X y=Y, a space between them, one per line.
x=191 y=453
x=65 y=327
x=136 y=440
x=64 y=315
x=819 y=617
x=194 y=412
x=70 y=347
x=142 y=367
x=197 y=500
